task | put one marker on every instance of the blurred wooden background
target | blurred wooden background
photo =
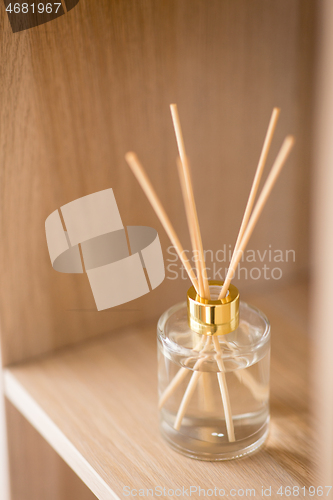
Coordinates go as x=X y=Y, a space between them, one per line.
x=80 y=91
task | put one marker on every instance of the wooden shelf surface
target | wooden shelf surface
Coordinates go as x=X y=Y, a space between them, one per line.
x=96 y=404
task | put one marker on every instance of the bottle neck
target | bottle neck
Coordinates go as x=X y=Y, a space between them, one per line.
x=213 y=317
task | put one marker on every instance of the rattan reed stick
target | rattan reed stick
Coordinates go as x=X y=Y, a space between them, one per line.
x=194 y=229
x=150 y=192
x=266 y=190
x=191 y=224
x=189 y=200
x=224 y=391
x=258 y=175
x=191 y=386
x=178 y=378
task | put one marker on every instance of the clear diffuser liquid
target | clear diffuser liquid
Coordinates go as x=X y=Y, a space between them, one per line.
x=245 y=354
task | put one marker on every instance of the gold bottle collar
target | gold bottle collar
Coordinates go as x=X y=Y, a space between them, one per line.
x=213 y=317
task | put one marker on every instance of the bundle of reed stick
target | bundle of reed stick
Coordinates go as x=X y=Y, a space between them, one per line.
x=200 y=278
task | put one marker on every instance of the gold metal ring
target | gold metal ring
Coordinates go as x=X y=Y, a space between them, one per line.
x=213 y=317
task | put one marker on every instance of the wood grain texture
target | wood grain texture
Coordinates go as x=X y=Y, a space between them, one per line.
x=78 y=92
x=37 y=471
x=96 y=404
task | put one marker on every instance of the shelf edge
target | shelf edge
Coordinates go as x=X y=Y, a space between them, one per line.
x=37 y=417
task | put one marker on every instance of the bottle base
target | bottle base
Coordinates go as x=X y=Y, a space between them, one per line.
x=201 y=450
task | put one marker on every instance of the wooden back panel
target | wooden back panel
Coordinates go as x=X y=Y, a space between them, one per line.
x=80 y=91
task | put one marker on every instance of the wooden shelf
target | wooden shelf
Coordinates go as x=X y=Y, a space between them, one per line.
x=96 y=404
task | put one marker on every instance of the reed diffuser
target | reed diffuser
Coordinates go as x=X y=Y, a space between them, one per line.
x=213 y=349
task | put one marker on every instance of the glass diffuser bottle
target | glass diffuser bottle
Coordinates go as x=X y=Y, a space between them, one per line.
x=214 y=351
x=213 y=376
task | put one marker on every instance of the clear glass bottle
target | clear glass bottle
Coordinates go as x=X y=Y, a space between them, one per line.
x=213 y=377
